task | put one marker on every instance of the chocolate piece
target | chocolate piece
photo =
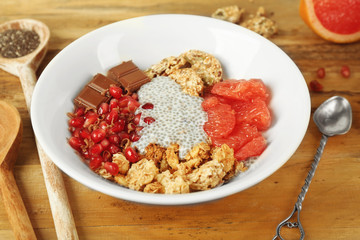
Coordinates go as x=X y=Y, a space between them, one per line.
x=90 y=98
x=129 y=76
x=101 y=83
x=123 y=69
x=134 y=81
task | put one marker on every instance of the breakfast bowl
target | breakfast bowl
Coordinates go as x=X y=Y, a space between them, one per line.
x=146 y=40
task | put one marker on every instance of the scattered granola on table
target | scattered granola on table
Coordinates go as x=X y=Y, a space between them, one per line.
x=259 y=23
x=229 y=13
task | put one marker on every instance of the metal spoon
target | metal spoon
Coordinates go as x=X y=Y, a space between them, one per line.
x=332 y=117
x=25 y=67
x=10 y=138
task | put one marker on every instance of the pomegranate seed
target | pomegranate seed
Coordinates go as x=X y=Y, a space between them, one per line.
x=139 y=128
x=124 y=111
x=316 y=86
x=76 y=133
x=107 y=156
x=345 y=71
x=76 y=122
x=133 y=105
x=96 y=149
x=90 y=118
x=134 y=137
x=130 y=127
x=103 y=125
x=123 y=101
x=86 y=154
x=123 y=135
x=103 y=109
x=79 y=112
x=98 y=134
x=114 y=138
x=105 y=143
x=112 y=117
x=118 y=126
x=137 y=118
x=131 y=155
x=85 y=134
x=76 y=143
x=148 y=106
x=113 y=149
x=320 y=72
x=135 y=96
x=114 y=103
x=149 y=120
x=111 y=168
x=115 y=91
x=95 y=162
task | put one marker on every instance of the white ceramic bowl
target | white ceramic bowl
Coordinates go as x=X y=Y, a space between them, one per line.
x=147 y=40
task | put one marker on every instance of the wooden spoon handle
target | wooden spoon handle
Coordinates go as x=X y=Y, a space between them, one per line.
x=15 y=207
x=59 y=203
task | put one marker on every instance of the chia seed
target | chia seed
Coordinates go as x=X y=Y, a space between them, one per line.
x=16 y=43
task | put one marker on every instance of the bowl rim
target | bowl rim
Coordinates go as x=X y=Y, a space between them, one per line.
x=166 y=199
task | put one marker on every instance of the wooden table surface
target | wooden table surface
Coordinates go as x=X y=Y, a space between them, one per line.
x=330 y=209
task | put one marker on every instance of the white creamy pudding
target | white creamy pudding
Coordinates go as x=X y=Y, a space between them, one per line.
x=179 y=117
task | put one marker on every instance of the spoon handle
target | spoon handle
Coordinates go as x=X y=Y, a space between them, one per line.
x=15 y=207
x=311 y=173
x=298 y=205
x=59 y=203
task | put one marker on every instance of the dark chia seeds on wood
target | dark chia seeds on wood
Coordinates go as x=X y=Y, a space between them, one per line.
x=16 y=43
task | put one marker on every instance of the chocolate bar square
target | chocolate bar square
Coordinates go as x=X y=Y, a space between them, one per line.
x=123 y=69
x=101 y=83
x=90 y=98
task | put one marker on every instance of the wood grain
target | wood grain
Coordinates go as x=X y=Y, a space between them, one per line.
x=10 y=138
x=329 y=209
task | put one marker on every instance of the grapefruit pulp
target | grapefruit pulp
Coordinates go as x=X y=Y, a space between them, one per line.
x=237 y=114
x=334 y=20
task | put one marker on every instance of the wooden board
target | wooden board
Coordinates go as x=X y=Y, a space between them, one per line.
x=330 y=207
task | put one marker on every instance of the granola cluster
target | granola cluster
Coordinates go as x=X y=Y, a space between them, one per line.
x=193 y=71
x=259 y=23
x=162 y=171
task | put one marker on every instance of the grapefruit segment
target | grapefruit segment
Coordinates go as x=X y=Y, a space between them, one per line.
x=221 y=121
x=241 y=135
x=243 y=90
x=253 y=112
x=252 y=149
x=334 y=20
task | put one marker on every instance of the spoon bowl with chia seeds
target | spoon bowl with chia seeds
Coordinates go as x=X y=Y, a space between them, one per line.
x=23 y=45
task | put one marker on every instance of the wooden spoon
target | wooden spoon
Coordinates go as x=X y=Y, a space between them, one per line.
x=25 y=68
x=10 y=138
